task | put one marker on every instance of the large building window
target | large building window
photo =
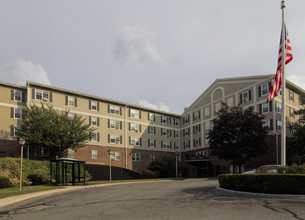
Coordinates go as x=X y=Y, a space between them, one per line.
x=114 y=139
x=151 y=130
x=196 y=115
x=135 y=141
x=166 y=144
x=17 y=113
x=18 y=96
x=135 y=156
x=114 y=109
x=152 y=158
x=71 y=101
x=151 y=143
x=94 y=154
x=93 y=105
x=134 y=113
x=115 y=155
x=165 y=119
x=114 y=124
x=264 y=89
x=135 y=127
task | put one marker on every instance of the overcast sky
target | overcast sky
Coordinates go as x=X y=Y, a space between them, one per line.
x=156 y=53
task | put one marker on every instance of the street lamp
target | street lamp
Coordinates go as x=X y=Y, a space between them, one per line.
x=21 y=143
x=177 y=154
x=110 y=152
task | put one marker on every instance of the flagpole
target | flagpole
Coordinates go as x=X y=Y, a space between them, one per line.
x=283 y=133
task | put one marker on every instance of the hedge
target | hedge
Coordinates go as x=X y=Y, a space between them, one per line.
x=264 y=183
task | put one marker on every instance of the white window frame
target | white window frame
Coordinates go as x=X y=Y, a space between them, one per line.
x=17 y=113
x=94 y=154
x=207 y=111
x=279 y=125
x=135 y=157
x=166 y=145
x=93 y=121
x=165 y=119
x=114 y=109
x=116 y=156
x=176 y=133
x=16 y=127
x=196 y=115
x=45 y=96
x=176 y=121
x=134 y=127
x=264 y=89
x=20 y=95
x=151 y=143
x=114 y=139
x=291 y=112
x=291 y=96
x=135 y=141
x=71 y=101
x=93 y=105
x=176 y=145
x=151 y=116
x=279 y=107
x=114 y=124
x=245 y=97
x=44 y=151
x=265 y=108
x=134 y=113
x=38 y=94
x=151 y=130
x=266 y=124
x=94 y=137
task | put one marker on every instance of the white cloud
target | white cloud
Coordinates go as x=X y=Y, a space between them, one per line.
x=20 y=71
x=161 y=107
x=135 y=44
x=299 y=80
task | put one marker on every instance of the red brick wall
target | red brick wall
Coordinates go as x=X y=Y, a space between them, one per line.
x=9 y=148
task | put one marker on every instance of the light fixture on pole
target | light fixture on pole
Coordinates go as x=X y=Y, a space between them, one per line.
x=177 y=154
x=110 y=153
x=21 y=143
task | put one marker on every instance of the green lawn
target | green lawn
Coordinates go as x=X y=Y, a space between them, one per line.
x=14 y=191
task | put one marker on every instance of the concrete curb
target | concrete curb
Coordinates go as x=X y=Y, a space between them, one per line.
x=260 y=195
x=6 y=202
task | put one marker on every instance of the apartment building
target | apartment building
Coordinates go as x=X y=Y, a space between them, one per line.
x=138 y=135
x=248 y=92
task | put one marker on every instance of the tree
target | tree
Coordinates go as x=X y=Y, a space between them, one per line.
x=44 y=127
x=237 y=135
x=296 y=143
x=166 y=166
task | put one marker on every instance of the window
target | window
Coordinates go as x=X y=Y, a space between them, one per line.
x=71 y=115
x=265 y=107
x=151 y=116
x=207 y=111
x=134 y=113
x=176 y=134
x=176 y=145
x=16 y=128
x=94 y=154
x=166 y=144
x=151 y=130
x=197 y=142
x=114 y=109
x=176 y=122
x=71 y=101
x=42 y=151
x=115 y=155
x=71 y=153
x=186 y=132
x=45 y=95
x=266 y=125
x=186 y=119
x=94 y=137
x=187 y=144
x=93 y=121
x=196 y=129
x=135 y=141
x=291 y=112
x=291 y=96
x=17 y=113
x=245 y=97
x=165 y=120
x=264 y=89
x=152 y=158
x=196 y=115
x=38 y=94
x=115 y=139
x=217 y=107
x=135 y=156
x=230 y=102
x=151 y=143
x=135 y=127
x=114 y=124
x=93 y=105
x=202 y=153
x=207 y=125
x=18 y=96
x=278 y=107
x=278 y=125
x=166 y=132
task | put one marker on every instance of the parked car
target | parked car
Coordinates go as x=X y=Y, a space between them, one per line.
x=264 y=169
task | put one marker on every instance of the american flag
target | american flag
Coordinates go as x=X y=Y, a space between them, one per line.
x=277 y=82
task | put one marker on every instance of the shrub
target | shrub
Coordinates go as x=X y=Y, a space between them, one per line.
x=37 y=179
x=293 y=169
x=4 y=182
x=149 y=174
x=264 y=183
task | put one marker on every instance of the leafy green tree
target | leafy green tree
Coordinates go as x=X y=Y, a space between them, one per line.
x=296 y=143
x=166 y=166
x=44 y=127
x=237 y=135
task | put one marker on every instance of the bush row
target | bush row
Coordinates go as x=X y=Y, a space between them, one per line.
x=264 y=183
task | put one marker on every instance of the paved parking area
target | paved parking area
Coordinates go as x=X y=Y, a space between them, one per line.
x=187 y=199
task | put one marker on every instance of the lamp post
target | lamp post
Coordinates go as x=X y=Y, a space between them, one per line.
x=109 y=152
x=21 y=143
x=177 y=154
